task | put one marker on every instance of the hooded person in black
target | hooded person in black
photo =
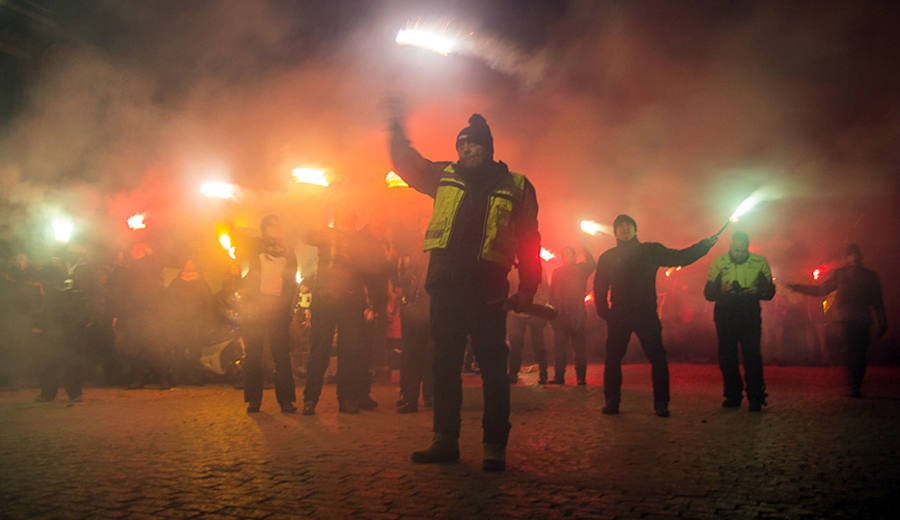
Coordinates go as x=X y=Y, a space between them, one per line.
x=484 y=220
x=625 y=296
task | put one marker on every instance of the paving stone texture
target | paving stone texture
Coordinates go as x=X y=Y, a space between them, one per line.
x=194 y=452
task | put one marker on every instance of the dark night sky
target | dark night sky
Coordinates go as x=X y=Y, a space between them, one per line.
x=670 y=111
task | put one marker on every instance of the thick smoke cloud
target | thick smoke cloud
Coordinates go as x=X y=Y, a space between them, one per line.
x=672 y=112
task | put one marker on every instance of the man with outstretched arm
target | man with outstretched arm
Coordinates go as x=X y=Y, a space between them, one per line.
x=625 y=296
x=858 y=299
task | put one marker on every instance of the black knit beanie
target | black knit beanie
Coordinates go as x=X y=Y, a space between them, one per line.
x=623 y=218
x=477 y=132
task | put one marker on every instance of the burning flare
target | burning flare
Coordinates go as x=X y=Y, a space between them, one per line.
x=394 y=181
x=435 y=41
x=546 y=255
x=218 y=190
x=136 y=221
x=310 y=176
x=62 y=229
x=745 y=206
x=225 y=242
x=595 y=228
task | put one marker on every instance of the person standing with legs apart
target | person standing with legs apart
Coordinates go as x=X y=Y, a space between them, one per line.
x=267 y=300
x=568 y=287
x=737 y=281
x=625 y=296
x=858 y=297
x=484 y=219
x=338 y=310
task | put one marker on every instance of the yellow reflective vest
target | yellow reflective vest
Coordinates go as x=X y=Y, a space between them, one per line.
x=746 y=274
x=499 y=241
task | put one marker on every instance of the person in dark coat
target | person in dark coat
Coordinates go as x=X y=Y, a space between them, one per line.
x=519 y=326
x=568 y=288
x=64 y=317
x=339 y=305
x=625 y=296
x=857 y=304
x=415 y=361
x=138 y=298
x=189 y=314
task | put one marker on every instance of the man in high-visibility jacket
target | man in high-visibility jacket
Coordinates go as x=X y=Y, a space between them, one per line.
x=737 y=281
x=484 y=220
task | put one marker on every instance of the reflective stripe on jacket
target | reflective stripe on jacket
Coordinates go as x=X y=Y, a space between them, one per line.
x=499 y=239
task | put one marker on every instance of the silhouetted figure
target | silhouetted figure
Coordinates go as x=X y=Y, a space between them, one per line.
x=375 y=265
x=519 y=326
x=626 y=275
x=189 y=314
x=568 y=287
x=22 y=302
x=138 y=298
x=858 y=300
x=338 y=309
x=64 y=318
x=416 y=357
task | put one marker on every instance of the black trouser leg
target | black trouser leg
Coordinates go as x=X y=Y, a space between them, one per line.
x=352 y=371
x=427 y=372
x=279 y=344
x=649 y=331
x=254 y=343
x=368 y=343
x=49 y=376
x=516 y=332
x=579 y=345
x=617 y=338
x=489 y=345
x=414 y=360
x=406 y=368
x=561 y=336
x=858 y=338
x=733 y=387
x=448 y=329
x=536 y=328
x=322 y=326
x=753 y=364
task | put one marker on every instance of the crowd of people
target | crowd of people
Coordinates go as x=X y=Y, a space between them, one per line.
x=475 y=292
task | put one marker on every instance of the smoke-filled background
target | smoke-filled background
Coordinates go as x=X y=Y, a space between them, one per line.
x=673 y=112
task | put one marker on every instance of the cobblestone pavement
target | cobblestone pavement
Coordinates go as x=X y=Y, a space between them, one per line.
x=193 y=452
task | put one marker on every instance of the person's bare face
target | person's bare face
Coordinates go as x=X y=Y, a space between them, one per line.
x=273 y=232
x=625 y=231
x=471 y=155
x=739 y=250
